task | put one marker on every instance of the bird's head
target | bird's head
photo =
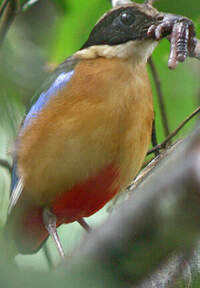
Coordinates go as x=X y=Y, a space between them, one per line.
x=122 y=33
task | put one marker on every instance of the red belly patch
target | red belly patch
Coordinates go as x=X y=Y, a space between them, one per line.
x=86 y=198
x=83 y=200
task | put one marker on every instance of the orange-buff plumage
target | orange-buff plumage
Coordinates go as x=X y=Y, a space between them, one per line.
x=85 y=146
x=88 y=141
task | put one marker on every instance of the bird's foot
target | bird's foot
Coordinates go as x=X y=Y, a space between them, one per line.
x=50 y=224
x=181 y=33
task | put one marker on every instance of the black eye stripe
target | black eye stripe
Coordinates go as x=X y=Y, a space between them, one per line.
x=127 y=18
x=120 y=26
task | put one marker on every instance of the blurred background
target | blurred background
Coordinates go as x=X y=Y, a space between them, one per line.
x=44 y=35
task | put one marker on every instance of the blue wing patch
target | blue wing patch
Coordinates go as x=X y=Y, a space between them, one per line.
x=62 y=79
x=14 y=177
x=57 y=85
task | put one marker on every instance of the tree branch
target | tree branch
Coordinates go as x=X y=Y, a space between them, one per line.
x=150 y=2
x=10 y=11
x=171 y=135
x=5 y=164
x=149 y=167
x=160 y=218
x=154 y=138
x=3 y=6
x=160 y=96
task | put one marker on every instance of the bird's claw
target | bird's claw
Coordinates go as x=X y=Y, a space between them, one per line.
x=181 y=33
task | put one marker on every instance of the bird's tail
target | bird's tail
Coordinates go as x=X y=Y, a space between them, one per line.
x=25 y=229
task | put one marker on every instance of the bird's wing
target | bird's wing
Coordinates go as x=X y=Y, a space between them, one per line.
x=56 y=82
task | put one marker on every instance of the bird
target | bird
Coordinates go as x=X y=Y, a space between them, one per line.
x=87 y=133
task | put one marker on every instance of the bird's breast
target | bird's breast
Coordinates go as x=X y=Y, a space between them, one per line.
x=84 y=146
x=102 y=118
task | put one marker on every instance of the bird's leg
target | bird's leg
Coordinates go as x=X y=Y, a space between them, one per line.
x=50 y=224
x=84 y=224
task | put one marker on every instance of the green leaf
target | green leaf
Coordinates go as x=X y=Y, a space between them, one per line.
x=184 y=7
x=63 y=4
x=73 y=28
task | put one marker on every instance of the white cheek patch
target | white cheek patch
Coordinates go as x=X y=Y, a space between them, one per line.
x=147 y=49
x=139 y=48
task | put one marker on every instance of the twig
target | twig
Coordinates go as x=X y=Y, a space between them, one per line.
x=149 y=167
x=170 y=136
x=5 y=164
x=145 y=172
x=150 y=2
x=160 y=96
x=3 y=6
x=8 y=17
x=147 y=162
x=154 y=138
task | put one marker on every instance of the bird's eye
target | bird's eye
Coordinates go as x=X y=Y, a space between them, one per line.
x=127 y=18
